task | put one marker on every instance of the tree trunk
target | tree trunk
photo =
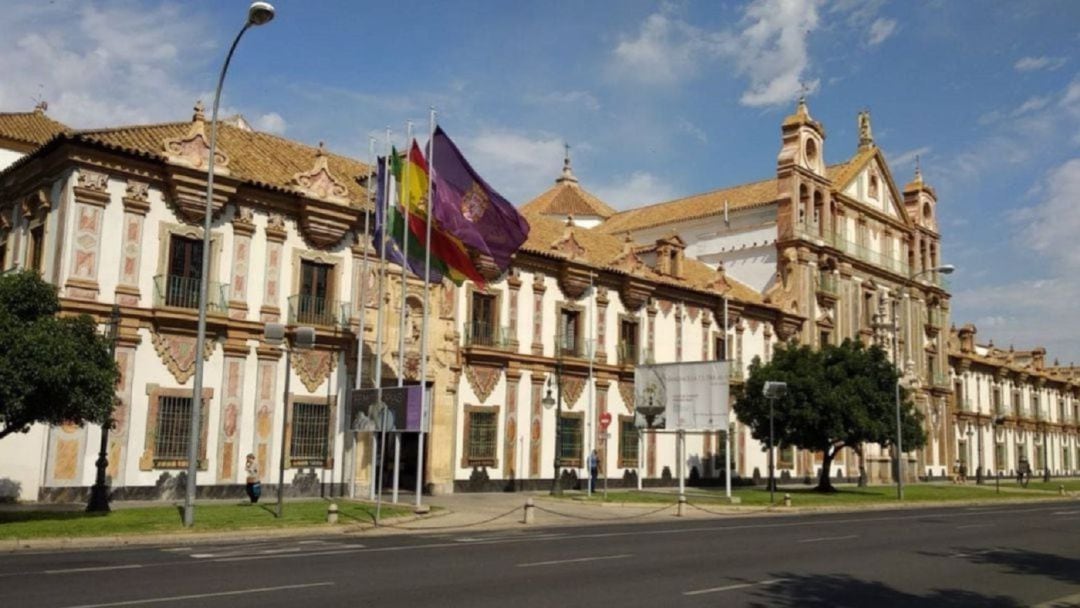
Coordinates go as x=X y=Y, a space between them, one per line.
x=862 y=466
x=824 y=479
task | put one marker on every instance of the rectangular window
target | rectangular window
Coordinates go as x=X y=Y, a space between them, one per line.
x=719 y=348
x=310 y=434
x=1035 y=411
x=824 y=337
x=184 y=273
x=628 y=443
x=1016 y=403
x=314 y=305
x=958 y=392
x=569 y=333
x=173 y=428
x=481 y=438
x=868 y=310
x=785 y=457
x=628 y=342
x=999 y=407
x=999 y=457
x=35 y=258
x=482 y=324
x=570 y=442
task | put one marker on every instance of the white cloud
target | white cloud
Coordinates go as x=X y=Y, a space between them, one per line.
x=1029 y=64
x=665 y=50
x=1051 y=226
x=907 y=158
x=518 y=166
x=689 y=128
x=771 y=50
x=102 y=64
x=638 y=188
x=271 y=122
x=880 y=30
x=1030 y=105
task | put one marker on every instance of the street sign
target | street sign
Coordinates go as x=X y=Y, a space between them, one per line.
x=605 y=420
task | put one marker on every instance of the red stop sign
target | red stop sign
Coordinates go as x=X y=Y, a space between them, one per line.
x=605 y=420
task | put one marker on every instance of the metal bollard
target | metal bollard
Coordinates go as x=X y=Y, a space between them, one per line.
x=787 y=500
x=681 y=510
x=530 y=515
x=331 y=513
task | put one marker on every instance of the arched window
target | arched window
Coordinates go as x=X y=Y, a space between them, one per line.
x=873 y=186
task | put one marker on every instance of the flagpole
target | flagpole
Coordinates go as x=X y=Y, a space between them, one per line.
x=361 y=298
x=376 y=477
x=404 y=202
x=424 y=325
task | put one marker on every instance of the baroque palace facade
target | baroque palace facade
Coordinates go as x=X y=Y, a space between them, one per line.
x=817 y=254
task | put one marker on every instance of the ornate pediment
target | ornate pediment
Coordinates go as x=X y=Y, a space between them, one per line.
x=324 y=224
x=568 y=243
x=318 y=182
x=573 y=281
x=634 y=293
x=572 y=387
x=187 y=193
x=626 y=391
x=482 y=380
x=178 y=353
x=313 y=367
x=193 y=149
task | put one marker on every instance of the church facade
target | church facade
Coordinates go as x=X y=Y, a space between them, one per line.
x=816 y=254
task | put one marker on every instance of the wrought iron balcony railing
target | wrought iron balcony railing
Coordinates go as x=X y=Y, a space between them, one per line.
x=183 y=292
x=313 y=310
x=565 y=346
x=485 y=334
x=627 y=353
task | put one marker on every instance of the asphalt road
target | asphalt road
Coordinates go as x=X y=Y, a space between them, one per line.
x=1017 y=555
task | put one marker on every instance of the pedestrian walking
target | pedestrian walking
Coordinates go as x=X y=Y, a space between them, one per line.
x=594 y=470
x=254 y=487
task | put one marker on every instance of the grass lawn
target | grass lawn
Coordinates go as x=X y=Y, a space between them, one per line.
x=803 y=496
x=209 y=517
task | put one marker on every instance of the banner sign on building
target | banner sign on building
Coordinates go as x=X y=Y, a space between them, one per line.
x=403 y=409
x=683 y=396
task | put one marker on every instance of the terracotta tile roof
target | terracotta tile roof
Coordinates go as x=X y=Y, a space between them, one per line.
x=258 y=158
x=602 y=250
x=34 y=128
x=692 y=207
x=568 y=198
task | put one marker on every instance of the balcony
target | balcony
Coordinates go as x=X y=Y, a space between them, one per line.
x=939 y=379
x=827 y=284
x=313 y=310
x=627 y=353
x=487 y=335
x=565 y=347
x=183 y=292
x=965 y=405
x=935 y=318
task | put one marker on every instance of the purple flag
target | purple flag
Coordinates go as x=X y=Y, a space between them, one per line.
x=468 y=208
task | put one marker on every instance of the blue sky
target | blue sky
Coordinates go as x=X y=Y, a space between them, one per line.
x=656 y=99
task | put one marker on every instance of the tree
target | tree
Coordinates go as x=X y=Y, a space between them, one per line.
x=53 y=369
x=837 y=397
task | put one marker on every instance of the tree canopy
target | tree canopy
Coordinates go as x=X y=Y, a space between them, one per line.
x=53 y=369
x=837 y=397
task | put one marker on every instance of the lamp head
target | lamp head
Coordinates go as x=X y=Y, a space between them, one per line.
x=548 y=402
x=946 y=269
x=260 y=13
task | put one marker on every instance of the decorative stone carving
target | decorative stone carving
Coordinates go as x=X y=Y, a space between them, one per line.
x=568 y=244
x=193 y=149
x=313 y=367
x=178 y=353
x=92 y=180
x=323 y=223
x=634 y=293
x=482 y=380
x=319 y=182
x=628 y=260
x=137 y=191
x=244 y=220
x=573 y=281
x=572 y=387
x=36 y=202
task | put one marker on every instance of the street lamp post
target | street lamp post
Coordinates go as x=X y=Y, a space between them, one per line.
x=943 y=269
x=259 y=13
x=548 y=402
x=967 y=457
x=303 y=338
x=771 y=391
x=979 y=469
x=1046 y=454
x=99 y=494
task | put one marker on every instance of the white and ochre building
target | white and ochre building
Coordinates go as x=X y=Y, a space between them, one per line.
x=817 y=253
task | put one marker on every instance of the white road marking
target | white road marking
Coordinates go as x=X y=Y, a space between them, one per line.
x=181 y=598
x=94 y=569
x=178 y=549
x=735 y=586
x=1068 y=601
x=817 y=540
x=1074 y=512
x=973 y=553
x=576 y=560
x=974 y=526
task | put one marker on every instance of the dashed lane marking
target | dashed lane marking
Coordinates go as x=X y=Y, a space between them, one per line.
x=733 y=587
x=196 y=596
x=824 y=538
x=575 y=560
